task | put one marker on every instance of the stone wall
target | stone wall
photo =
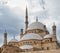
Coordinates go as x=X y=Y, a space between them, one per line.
x=45 y=51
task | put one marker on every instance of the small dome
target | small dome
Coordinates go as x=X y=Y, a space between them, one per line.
x=48 y=36
x=31 y=36
x=35 y=25
x=13 y=40
x=26 y=47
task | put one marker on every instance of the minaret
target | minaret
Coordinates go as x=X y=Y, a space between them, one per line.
x=26 y=17
x=54 y=32
x=54 y=38
x=54 y=29
x=5 y=38
x=21 y=35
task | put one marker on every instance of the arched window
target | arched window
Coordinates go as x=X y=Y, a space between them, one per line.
x=47 y=48
x=42 y=48
x=51 y=39
x=46 y=41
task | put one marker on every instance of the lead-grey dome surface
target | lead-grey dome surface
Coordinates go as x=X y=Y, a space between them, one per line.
x=35 y=25
x=48 y=36
x=31 y=36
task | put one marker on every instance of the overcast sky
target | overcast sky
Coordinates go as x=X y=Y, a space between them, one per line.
x=12 y=15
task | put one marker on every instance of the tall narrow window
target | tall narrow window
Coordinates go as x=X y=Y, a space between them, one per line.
x=47 y=48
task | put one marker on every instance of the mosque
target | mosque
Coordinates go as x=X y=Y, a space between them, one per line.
x=35 y=38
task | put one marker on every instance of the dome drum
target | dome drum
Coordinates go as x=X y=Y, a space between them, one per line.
x=35 y=31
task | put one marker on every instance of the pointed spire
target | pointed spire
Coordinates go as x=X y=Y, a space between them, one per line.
x=26 y=11
x=54 y=24
x=26 y=18
x=5 y=29
x=36 y=19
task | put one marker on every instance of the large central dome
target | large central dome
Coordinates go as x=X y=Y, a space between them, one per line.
x=36 y=25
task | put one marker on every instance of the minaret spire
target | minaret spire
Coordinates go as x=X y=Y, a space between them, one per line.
x=26 y=17
x=26 y=11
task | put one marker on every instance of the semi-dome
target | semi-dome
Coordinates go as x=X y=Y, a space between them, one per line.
x=48 y=36
x=26 y=47
x=35 y=25
x=31 y=36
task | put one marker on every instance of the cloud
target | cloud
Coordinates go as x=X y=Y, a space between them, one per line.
x=48 y=16
x=12 y=15
x=10 y=21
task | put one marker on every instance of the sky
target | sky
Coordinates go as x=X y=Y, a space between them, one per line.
x=12 y=16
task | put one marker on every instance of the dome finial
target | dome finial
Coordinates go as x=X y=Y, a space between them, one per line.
x=36 y=19
x=13 y=36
